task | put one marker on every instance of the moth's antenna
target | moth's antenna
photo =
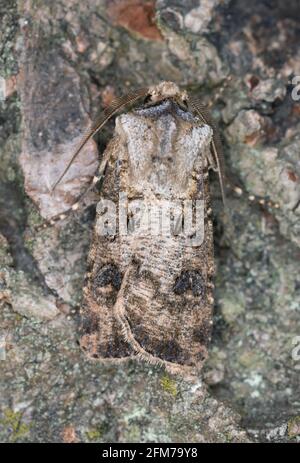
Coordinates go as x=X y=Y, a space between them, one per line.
x=216 y=144
x=115 y=106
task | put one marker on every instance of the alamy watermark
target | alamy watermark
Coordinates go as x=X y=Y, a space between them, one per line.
x=296 y=89
x=2 y=89
x=296 y=349
x=3 y=342
x=152 y=217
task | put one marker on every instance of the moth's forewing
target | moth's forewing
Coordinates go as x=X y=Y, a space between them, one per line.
x=101 y=332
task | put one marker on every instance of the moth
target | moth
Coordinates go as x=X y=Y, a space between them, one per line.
x=148 y=291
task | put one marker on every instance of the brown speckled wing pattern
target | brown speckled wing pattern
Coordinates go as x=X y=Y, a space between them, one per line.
x=151 y=296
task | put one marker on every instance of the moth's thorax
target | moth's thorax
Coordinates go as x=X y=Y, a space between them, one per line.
x=164 y=145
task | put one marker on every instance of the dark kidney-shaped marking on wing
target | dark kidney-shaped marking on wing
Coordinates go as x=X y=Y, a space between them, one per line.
x=108 y=275
x=190 y=280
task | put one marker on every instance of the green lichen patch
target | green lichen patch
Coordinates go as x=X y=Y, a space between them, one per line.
x=169 y=385
x=12 y=421
x=94 y=434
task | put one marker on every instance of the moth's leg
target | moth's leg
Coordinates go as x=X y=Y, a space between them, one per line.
x=211 y=161
x=231 y=185
x=96 y=181
x=237 y=190
x=215 y=157
x=72 y=211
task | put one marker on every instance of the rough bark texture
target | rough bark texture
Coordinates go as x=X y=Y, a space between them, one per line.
x=64 y=60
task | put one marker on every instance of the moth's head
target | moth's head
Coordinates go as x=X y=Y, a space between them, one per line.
x=166 y=90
